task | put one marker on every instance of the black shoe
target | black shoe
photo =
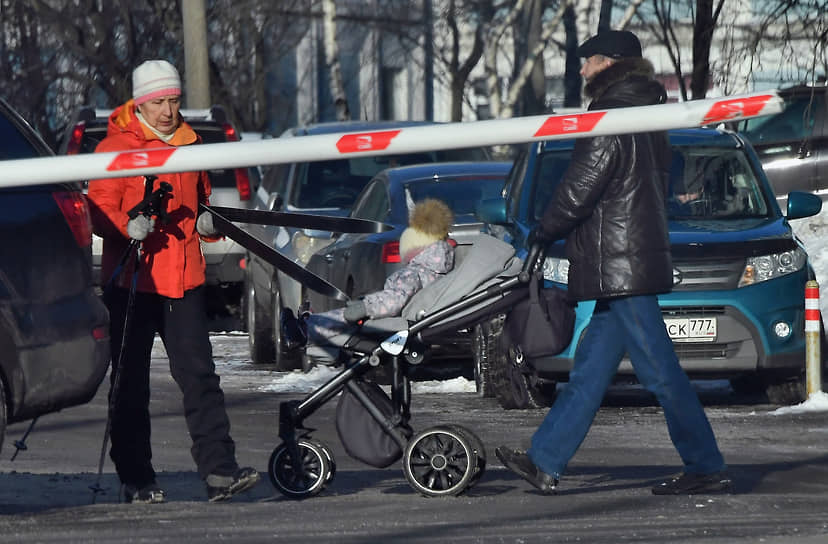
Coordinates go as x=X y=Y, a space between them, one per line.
x=148 y=494
x=519 y=463
x=294 y=331
x=221 y=488
x=692 y=484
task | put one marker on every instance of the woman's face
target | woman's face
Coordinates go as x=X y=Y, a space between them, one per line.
x=162 y=113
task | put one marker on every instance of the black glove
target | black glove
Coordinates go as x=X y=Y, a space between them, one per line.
x=355 y=311
x=537 y=236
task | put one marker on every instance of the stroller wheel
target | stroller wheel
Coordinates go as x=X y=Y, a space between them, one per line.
x=331 y=463
x=310 y=480
x=440 y=461
x=479 y=450
x=477 y=446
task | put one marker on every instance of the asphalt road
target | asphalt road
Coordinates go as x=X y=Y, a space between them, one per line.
x=779 y=463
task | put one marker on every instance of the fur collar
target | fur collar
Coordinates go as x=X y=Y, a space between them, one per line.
x=619 y=71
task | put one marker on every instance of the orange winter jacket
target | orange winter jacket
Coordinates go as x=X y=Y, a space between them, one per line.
x=171 y=258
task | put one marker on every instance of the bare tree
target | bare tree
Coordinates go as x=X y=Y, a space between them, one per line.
x=332 y=60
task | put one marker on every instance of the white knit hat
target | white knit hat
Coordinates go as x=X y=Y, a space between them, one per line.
x=429 y=221
x=154 y=78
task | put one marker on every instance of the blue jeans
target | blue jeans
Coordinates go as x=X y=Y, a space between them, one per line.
x=630 y=325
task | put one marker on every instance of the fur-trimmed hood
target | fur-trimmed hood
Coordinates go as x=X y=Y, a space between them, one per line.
x=627 y=82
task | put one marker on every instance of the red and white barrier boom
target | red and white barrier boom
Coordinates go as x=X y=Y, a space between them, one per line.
x=387 y=142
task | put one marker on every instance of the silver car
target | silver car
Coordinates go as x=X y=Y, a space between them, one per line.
x=321 y=188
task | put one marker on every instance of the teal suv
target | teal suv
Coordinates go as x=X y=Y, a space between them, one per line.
x=737 y=307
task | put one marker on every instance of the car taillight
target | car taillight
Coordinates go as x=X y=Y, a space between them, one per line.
x=76 y=212
x=229 y=132
x=391 y=252
x=73 y=147
x=243 y=184
x=242 y=179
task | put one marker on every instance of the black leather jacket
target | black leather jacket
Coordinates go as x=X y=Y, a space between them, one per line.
x=610 y=203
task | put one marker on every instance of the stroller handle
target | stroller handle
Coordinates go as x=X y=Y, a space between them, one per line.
x=533 y=258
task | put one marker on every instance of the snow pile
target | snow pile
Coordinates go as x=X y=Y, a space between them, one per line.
x=299 y=382
x=816 y=402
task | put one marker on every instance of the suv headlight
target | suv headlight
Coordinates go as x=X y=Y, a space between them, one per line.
x=555 y=269
x=768 y=267
x=305 y=246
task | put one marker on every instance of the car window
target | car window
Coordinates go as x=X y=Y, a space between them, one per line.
x=15 y=145
x=705 y=183
x=336 y=183
x=459 y=194
x=374 y=204
x=275 y=177
x=795 y=122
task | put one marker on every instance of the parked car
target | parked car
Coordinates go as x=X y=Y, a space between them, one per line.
x=230 y=187
x=793 y=144
x=322 y=188
x=737 y=306
x=54 y=329
x=358 y=264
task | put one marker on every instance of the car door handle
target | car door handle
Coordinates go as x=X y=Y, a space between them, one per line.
x=346 y=254
x=329 y=258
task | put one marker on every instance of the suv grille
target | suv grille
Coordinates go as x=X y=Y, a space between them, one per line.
x=707 y=275
x=707 y=351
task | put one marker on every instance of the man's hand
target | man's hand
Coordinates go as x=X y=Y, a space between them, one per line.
x=140 y=226
x=355 y=311
x=205 y=226
x=537 y=236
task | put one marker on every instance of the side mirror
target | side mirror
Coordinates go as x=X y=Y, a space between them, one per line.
x=802 y=204
x=491 y=210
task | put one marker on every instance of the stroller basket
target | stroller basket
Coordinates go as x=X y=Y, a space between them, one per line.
x=487 y=281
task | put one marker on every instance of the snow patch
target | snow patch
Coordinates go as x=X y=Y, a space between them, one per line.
x=816 y=402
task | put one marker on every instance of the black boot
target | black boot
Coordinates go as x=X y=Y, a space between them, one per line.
x=294 y=331
x=519 y=463
x=694 y=484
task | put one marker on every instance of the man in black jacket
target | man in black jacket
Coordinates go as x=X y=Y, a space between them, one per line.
x=610 y=206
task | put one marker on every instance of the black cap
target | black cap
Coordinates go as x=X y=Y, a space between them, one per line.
x=611 y=43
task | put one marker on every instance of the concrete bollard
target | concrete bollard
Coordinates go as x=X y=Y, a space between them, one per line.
x=813 y=358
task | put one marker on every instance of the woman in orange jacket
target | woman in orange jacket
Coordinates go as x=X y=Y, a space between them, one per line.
x=169 y=295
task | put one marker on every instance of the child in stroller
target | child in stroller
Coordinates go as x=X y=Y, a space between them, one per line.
x=440 y=460
x=427 y=254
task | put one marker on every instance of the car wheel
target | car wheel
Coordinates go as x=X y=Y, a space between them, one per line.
x=2 y=411
x=484 y=351
x=282 y=359
x=785 y=391
x=259 y=332
x=514 y=385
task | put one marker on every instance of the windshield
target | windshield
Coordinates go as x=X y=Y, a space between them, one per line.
x=337 y=183
x=705 y=183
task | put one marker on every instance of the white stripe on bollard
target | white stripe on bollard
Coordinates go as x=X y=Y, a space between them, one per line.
x=813 y=356
x=386 y=142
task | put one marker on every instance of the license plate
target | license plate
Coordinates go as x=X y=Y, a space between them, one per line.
x=691 y=329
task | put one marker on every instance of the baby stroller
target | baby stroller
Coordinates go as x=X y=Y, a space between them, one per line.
x=437 y=461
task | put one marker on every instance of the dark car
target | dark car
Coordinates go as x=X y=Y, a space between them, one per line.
x=322 y=188
x=54 y=331
x=793 y=144
x=737 y=307
x=358 y=264
x=231 y=187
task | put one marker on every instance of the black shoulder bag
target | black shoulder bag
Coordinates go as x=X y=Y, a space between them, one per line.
x=541 y=325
